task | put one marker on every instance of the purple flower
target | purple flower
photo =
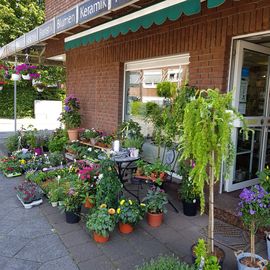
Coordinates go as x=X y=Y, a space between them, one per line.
x=252 y=212
x=67 y=108
x=240 y=214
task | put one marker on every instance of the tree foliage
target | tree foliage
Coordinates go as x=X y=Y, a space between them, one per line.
x=18 y=17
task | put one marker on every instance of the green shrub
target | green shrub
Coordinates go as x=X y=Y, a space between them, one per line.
x=166 y=263
x=12 y=143
x=26 y=95
x=138 y=108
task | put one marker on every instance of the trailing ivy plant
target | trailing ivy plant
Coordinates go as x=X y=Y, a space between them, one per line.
x=207 y=127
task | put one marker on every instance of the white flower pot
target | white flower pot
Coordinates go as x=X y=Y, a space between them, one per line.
x=54 y=204
x=35 y=82
x=26 y=77
x=40 y=90
x=15 y=77
x=268 y=245
x=241 y=255
x=61 y=203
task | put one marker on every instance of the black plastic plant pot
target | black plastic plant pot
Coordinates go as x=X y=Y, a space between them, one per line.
x=190 y=209
x=72 y=217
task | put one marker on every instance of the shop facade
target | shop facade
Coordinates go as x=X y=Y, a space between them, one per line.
x=224 y=45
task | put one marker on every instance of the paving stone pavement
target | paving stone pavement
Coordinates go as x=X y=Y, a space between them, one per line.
x=40 y=239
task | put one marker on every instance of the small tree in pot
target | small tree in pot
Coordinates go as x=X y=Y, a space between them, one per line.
x=207 y=128
x=254 y=211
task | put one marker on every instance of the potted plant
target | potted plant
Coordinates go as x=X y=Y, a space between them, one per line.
x=71 y=117
x=101 y=222
x=129 y=213
x=202 y=259
x=264 y=180
x=27 y=71
x=10 y=166
x=134 y=144
x=254 y=211
x=156 y=200
x=90 y=135
x=188 y=192
x=29 y=194
x=208 y=118
x=156 y=171
x=72 y=206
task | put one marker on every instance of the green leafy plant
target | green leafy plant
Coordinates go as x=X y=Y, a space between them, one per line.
x=134 y=142
x=166 y=89
x=129 y=129
x=203 y=259
x=156 y=200
x=108 y=186
x=90 y=134
x=72 y=200
x=70 y=116
x=102 y=221
x=187 y=190
x=12 y=142
x=264 y=178
x=58 y=140
x=166 y=263
x=130 y=211
x=138 y=108
x=207 y=128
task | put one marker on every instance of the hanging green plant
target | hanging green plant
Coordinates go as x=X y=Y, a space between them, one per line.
x=207 y=128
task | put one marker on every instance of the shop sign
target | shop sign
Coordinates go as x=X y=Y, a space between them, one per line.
x=20 y=43
x=119 y=3
x=66 y=20
x=46 y=30
x=91 y=9
x=31 y=37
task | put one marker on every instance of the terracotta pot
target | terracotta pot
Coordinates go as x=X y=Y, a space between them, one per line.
x=73 y=134
x=99 y=238
x=125 y=228
x=88 y=203
x=154 y=220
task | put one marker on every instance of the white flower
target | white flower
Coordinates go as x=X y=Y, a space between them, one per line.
x=90 y=149
x=100 y=176
x=194 y=201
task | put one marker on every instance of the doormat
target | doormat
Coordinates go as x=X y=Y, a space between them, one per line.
x=229 y=236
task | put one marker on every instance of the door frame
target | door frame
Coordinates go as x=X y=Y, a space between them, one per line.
x=235 y=74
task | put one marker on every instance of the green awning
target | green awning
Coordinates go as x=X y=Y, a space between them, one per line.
x=171 y=13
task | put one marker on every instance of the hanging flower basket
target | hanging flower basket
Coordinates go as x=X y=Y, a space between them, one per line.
x=26 y=77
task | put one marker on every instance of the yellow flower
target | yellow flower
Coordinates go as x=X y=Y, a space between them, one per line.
x=22 y=161
x=104 y=205
x=267 y=177
x=122 y=202
x=111 y=211
x=130 y=202
x=143 y=204
x=267 y=167
x=118 y=210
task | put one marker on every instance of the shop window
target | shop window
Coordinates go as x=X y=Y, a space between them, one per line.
x=141 y=80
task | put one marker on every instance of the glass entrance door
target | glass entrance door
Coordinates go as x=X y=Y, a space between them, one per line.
x=251 y=98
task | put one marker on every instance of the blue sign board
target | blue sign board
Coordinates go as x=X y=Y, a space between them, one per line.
x=119 y=3
x=91 y=9
x=66 y=21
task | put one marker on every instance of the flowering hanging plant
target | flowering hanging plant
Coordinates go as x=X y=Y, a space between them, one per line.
x=254 y=210
x=25 y=69
x=70 y=116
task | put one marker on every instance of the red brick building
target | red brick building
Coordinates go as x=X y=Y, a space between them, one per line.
x=223 y=44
